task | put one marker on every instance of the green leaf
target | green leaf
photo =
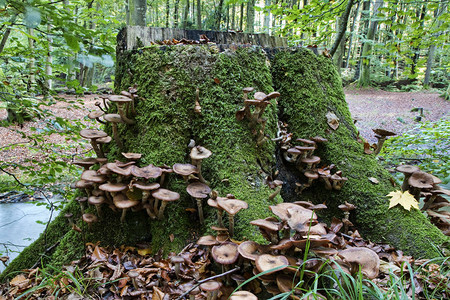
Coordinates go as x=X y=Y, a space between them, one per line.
x=72 y=42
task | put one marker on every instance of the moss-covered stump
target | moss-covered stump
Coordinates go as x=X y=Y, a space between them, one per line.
x=311 y=87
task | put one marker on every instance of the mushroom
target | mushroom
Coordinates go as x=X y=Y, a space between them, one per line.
x=86 y=185
x=381 y=135
x=243 y=295
x=122 y=202
x=198 y=191
x=211 y=287
x=95 y=115
x=184 y=170
x=132 y=156
x=121 y=101
x=407 y=170
x=364 y=257
x=232 y=207
x=82 y=202
x=251 y=250
x=310 y=162
x=278 y=185
x=89 y=219
x=146 y=172
x=213 y=203
x=177 y=261
x=198 y=153
x=165 y=196
x=267 y=262
x=225 y=254
x=115 y=119
x=97 y=201
x=418 y=181
x=346 y=208
x=86 y=163
x=93 y=135
x=134 y=275
x=164 y=170
x=269 y=228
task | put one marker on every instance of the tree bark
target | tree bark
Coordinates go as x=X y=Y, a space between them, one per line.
x=199 y=15
x=218 y=18
x=186 y=14
x=137 y=10
x=347 y=61
x=343 y=21
x=251 y=16
x=364 y=79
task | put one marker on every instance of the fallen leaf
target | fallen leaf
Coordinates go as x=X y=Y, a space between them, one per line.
x=374 y=180
x=99 y=254
x=157 y=294
x=192 y=210
x=332 y=120
x=171 y=237
x=404 y=199
x=217 y=80
x=367 y=149
x=146 y=251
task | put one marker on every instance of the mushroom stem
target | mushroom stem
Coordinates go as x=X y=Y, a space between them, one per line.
x=405 y=185
x=275 y=193
x=97 y=149
x=346 y=217
x=155 y=205
x=116 y=135
x=99 y=209
x=123 y=115
x=161 y=210
x=198 y=164
x=148 y=208
x=289 y=159
x=231 y=221
x=429 y=202
x=379 y=145
x=200 y=210
x=219 y=217
x=124 y=212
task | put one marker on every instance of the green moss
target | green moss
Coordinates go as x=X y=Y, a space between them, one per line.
x=310 y=87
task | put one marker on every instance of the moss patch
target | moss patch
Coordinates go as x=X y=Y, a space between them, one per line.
x=310 y=87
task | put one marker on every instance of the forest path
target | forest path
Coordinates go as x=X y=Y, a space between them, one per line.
x=392 y=110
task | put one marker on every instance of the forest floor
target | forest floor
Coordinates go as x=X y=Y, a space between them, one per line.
x=372 y=108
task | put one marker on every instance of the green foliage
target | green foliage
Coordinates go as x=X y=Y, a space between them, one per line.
x=427 y=145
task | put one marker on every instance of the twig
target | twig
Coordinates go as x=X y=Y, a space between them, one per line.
x=208 y=279
x=45 y=252
x=13 y=176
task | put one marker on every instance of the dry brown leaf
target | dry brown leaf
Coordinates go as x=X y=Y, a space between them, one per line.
x=19 y=281
x=144 y=252
x=122 y=282
x=374 y=180
x=157 y=294
x=171 y=237
x=99 y=254
x=332 y=120
x=367 y=149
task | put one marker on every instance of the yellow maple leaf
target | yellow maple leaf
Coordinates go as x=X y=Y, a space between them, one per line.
x=404 y=199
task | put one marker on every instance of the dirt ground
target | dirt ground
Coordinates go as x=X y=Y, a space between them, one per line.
x=372 y=108
x=392 y=110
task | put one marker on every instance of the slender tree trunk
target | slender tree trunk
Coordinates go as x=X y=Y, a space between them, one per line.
x=241 y=19
x=49 y=59
x=343 y=20
x=186 y=14
x=168 y=12
x=137 y=11
x=31 y=65
x=218 y=18
x=364 y=79
x=175 y=13
x=416 y=50
x=7 y=33
x=267 y=17
x=351 y=35
x=251 y=16
x=199 y=14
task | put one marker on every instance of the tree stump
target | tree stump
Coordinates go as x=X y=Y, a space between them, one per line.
x=168 y=78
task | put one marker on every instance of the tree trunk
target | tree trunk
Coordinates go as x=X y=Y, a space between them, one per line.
x=175 y=13
x=267 y=17
x=241 y=19
x=251 y=16
x=343 y=20
x=199 y=15
x=416 y=50
x=364 y=79
x=168 y=12
x=186 y=14
x=430 y=59
x=166 y=121
x=49 y=60
x=137 y=10
x=347 y=61
x=218 y=18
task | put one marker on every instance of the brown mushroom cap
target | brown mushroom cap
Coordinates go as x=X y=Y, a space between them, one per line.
x=85 y=162
x=132 y=156
x=266 y=262
x=260 y=96
x=96 y=200
x=165 y=195
x=307 y=142
x=121 y=201
x=310 y=160
x=146 y=186
x=226 y=253
x=407 y=169
x=95 y=114
x=207 y=240
x=104 y=140
x=92 y=134
x=113 y=118
x=347 y=206
x=319 y=139
x=93 y=176
x=251 y=250
x=311 y=174
x=184 y=169
x=421 y=180
x=248 y=89
x=210 y=286
x=368 y=259
x=199 y=152
x=119 y=99
x=383 y=133
x=198 y=190
x=243 y=295
x=113 y=167
x=113 y=187
x=82 y=184
x=89 y=218
x=231 y=206
x=285 y=211
x=146 y=172
x=267 y=224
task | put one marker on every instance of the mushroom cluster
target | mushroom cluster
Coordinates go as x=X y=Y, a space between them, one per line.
x=123 y=186
x=294 y=230
x=426 y=186
x=302 y=156
x=125 y=103
x=260 y=102
x=230 y=205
